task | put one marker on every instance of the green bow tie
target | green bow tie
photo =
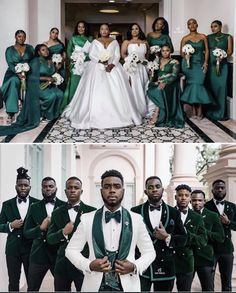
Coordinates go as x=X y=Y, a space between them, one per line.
x=110 y=215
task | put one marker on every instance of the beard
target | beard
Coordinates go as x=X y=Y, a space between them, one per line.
x=113 y=203
x=51 y=196
x=219 y=197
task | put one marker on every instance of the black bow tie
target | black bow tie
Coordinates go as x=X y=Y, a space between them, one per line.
x=49 y=200
x=24 y=199
x=70 y=206
x=184 y=212
x=220 y=202
x=153 y=208
x=110 y=215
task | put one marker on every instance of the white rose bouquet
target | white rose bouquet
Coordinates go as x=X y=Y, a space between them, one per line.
x=104 y=56
x=22 y=68
x=219 y=54
x=57 y=58
x=57 y=79
x=131 y=63
x=78 y=57
x=155 y=49
x=152 y=66
x=188 y=50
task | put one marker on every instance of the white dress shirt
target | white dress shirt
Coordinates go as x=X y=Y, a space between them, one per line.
x=72 y=213
x=155 y=217
x=49 y=208
x=23 y=207
x=111 y=231
x=220 y=207
x=184 y=216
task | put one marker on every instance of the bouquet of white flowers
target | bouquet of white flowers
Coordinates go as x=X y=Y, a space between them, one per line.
x=155 y=49
x=219 y=54
x=131 y=63
x=57 y=58
x=104 y=56
x=78 y=57
x=188 y=50
x=22 y=68
x=57 y=79
x=152 y=66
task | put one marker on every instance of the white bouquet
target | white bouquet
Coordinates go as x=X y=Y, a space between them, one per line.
x=131 y=63
x=155 y=49
x=57 y=58
x=78 y=57
x=104 y=56
x=188 y=50
x=152 y=66
x=22 y=68
x=219 y=54
x=57 y=79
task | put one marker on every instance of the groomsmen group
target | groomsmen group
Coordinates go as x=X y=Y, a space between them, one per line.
x=113 y=249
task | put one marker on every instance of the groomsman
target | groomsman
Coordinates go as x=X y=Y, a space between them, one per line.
x=12 y=219
x=64 y=222
x=224 y=251
x=204 y=257
x=193 y=223
x=42 y=255
x=166 y=230
x=112 y=234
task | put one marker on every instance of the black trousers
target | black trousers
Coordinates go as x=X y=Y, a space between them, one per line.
x=36 y=275
x=184 y=281
x=14 y=264
x=63 y=282
x=206 y=277
x=158 y=285
x=225 y=262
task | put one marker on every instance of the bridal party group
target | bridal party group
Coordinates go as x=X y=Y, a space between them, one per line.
x=100 y=83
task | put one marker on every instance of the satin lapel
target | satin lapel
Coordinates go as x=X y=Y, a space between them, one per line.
x=79 y=214
x=145 y=215
x=15 y=208
x=126 y=235
x=213 y=207
x=165 y=215
x=188 y=219
x=97 y=234
x=42 y=210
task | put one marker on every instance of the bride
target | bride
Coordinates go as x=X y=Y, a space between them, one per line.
x=103 y=98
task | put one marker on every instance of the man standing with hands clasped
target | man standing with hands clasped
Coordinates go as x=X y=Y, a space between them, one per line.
x=112 y=234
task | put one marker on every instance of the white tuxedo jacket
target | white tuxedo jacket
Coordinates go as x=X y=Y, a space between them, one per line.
x=92 y=280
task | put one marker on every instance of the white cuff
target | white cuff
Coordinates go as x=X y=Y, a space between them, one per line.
x=167 y=240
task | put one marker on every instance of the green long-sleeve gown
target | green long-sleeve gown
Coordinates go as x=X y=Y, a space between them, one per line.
x=73 y=80
x=171 y=114
x=38 y=103
x=217 y=84
x=11 y=82
x=195 y=91
x=162 y=40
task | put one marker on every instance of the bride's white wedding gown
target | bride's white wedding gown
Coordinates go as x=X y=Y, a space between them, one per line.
x=103 y=99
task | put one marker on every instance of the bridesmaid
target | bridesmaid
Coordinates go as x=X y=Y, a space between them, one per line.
x=164 y=92
x=80 y=38
x=195 y=93
x=55 y=46
x=18 y=53
x=217 y=84
x=160 y=34
x=136 y=43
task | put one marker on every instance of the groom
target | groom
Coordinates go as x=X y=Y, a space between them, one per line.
x=112 y=234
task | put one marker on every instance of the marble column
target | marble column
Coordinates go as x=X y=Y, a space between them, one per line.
x=225 y=169
x=184 y=169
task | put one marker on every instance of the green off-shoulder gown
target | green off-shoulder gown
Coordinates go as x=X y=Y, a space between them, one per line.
x=73 y=78
x=217 y=84
x=171 y=114
x=162 y=40
x=195 y=91
x=11 y=82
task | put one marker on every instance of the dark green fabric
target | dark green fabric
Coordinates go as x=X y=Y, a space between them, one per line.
x=36 y=100
x=11 y=82
x=41 y=251
x=227 y=246
x=217 y=84
x=195 y=91
x=73 y=80
x=168 y=99
x=17 y=244
x=163 y=267
x=60 y=217
x=184 y=259
x=162 y=40
x=204 y=255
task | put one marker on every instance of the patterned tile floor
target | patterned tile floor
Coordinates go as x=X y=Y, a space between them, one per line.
x=63 y=132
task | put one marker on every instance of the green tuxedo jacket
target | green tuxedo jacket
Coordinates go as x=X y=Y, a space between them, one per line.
x=55 y=236
x=204 y=255
x=16 y=244
x=163 y=267
x=41 y=251
x=184 y=259
x=227 y=246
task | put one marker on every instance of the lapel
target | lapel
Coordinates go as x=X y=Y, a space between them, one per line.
x=15 y=208
x=165 y=215
x=42 y=212
x=213 y=206
x=188 y=218
x=227 y=208
x=145 y=215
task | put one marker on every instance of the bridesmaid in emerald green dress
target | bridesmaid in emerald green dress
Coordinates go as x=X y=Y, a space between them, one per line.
x=160 y=35
x=217 y=83
x=164 y=92
x=18 y=53
x=195 y=93
x=82 y=39
x=55 y=46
